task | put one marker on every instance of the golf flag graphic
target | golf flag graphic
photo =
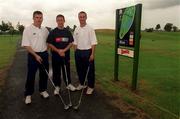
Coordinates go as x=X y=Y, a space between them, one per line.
x=126 y=21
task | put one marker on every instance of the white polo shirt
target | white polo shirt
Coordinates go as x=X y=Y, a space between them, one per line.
x=84 y=37
x=35 y=37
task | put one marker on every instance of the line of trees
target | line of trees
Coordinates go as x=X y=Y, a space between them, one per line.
x=8 y=28
x=169 y=27
x=67 y=27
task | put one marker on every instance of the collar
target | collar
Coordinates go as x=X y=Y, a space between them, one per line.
x=35 y=26
x=83 y=26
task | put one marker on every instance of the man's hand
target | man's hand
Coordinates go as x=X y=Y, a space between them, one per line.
x=32 y=52
x=91 y=58
x=61 y=52
x=38 y=58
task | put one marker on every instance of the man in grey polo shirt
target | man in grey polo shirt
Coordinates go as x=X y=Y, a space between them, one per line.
x=34 y=40
x=85 y=42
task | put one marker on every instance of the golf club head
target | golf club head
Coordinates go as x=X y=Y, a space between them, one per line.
x=66 y=107
x=76 y=108
x=70 y=104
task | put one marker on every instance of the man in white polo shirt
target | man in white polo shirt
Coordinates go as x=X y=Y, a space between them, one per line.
x=84 y=44
x=34 y=40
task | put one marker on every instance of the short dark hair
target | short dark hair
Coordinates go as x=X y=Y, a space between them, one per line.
x=37 y=12
x=82 y=12
x=60 y=15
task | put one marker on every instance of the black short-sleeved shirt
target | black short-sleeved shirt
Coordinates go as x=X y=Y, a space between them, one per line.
x=60 y=38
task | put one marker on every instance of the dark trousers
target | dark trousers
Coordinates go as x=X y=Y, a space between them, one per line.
x=82 y=63
x=33 y=65
x=58 y=66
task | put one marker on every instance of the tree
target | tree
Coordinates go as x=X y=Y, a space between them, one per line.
x=149 y=29
x=158 y=27
x=20 y=27
x=49 y=28
x=6 y=26
x=175 y=28
x=168 y=27
x=11 y=30
x=74 y=27
x=68 y=28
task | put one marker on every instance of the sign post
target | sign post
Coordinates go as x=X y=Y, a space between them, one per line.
x=127 y=38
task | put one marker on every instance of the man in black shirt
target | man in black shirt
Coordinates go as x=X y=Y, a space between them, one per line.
x=60 y=41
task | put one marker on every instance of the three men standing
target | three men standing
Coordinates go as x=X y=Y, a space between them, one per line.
x=60 y=40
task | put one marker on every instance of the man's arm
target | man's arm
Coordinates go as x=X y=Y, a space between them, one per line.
x=92 y=53
x=93 y=44
x=75 y=40
x=68 y=47
x=53 y=47
x=62 y=51
x=75 y=47
x=31 y=51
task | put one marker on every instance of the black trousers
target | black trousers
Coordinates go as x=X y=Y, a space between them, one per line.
x=33 y=66
x=58 y=66
x=82 y=63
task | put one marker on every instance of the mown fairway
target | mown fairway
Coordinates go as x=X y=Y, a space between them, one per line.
x=8 y=46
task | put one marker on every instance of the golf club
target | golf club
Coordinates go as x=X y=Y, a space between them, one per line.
x=70 y=102
x=80 y=98
x=66 y=107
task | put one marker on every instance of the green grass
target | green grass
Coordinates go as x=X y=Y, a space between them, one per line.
x=7 y=49
x=158 y=77
x=159 y=67
x=159 y=71
x=8 y=45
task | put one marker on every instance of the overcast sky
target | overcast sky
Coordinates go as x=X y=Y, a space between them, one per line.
x=101 y=13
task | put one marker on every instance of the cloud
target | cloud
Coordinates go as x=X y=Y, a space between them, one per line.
x=101 y=14
x=160 y=4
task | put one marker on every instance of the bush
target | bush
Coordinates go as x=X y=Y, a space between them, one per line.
x=149 y=30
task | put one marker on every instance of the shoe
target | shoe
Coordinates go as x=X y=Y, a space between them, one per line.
x=71 y=87
x=28 y=100
x=56 y=91
x=89 y=91
x=80 y=87
x=44 y=94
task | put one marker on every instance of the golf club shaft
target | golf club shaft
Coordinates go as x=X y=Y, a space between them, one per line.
x=70 y=102
x=79 y=102
x=54 y=85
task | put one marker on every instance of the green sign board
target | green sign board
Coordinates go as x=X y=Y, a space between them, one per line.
x=127 y=37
